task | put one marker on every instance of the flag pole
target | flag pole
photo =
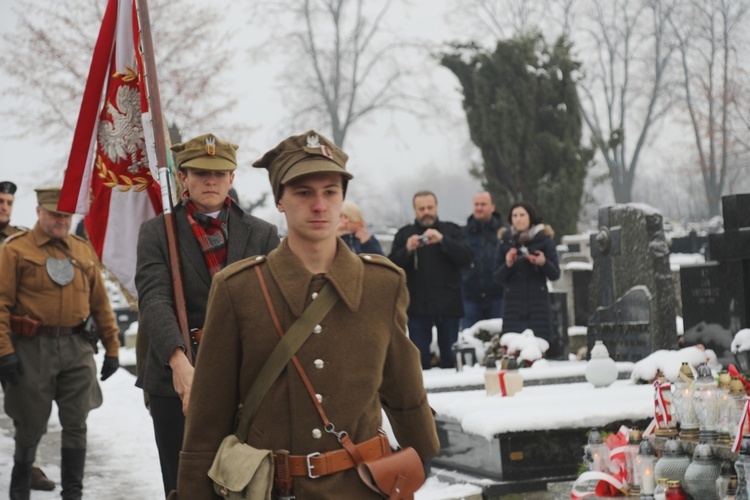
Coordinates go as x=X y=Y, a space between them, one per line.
x=157 y=120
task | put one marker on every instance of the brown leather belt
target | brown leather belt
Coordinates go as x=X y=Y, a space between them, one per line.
x=322 y=464
x=58 y=331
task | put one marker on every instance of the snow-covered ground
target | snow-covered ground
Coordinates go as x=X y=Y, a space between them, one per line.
x=122 y=462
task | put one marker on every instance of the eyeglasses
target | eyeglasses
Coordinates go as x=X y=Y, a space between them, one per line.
x=7 y=187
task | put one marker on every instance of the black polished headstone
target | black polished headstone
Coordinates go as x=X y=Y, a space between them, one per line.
x=718 y=292
x=624 y=327
x=712 y=293
x=558 y=343
x=734 y=242
x=581 y=307
x=692 y=243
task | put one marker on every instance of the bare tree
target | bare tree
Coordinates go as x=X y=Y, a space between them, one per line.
x=493 y=20
x=345 y=63
x=710 y=48
x=48 y=57
x=625 y=88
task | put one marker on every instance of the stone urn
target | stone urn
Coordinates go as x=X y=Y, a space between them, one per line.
x=601 y=370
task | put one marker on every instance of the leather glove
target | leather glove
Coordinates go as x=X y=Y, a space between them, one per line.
x=110 y=366
x=9 y=369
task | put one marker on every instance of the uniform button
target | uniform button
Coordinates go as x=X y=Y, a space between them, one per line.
x=318 y=364
x=319 y=398
x=317 y=434
x=315 y=295
x=367 y=257
x=317 y=329
x=259 y=257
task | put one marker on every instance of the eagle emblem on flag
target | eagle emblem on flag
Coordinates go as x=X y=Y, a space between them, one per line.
x=121 y=137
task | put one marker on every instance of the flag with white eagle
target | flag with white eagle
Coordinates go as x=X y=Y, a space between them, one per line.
x=111 y=175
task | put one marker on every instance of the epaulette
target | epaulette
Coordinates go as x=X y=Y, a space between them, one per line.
x=241 y=265
x=16 y=235
x=82 y=240
x=371 y=258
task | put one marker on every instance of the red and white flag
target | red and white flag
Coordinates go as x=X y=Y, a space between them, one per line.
x=111 y=175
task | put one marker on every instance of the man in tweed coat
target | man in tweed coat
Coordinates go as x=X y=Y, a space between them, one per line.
x=213 y=232
x=358 y=359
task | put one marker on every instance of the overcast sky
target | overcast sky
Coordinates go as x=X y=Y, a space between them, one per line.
x=397 y=151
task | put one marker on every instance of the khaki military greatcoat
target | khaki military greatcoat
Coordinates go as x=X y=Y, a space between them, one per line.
x=8 y=231
x=27 y=290
x=359 y=361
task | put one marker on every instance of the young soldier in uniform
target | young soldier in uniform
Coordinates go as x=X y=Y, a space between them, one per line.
x=51 y=284
x=213 y=231
x=358 y=358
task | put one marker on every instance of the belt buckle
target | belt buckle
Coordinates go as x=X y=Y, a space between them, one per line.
x=310 y=467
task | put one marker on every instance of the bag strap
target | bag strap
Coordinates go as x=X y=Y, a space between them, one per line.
x=342 y=436
x=284 y=350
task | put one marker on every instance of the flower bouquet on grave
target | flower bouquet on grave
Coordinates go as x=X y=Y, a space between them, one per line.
x=525 y=347
x=608 y=476
x=494 y=350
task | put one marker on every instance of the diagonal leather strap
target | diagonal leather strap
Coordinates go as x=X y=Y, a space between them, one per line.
x=343 y=437
x=284 y=351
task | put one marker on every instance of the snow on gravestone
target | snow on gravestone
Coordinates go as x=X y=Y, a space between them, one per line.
x=632 y=290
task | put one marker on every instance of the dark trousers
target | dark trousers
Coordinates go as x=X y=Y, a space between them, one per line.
x=420 y=332
x=169 y=426
x=481 y=308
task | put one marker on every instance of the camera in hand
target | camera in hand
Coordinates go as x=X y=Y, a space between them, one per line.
x=423 y=240
x=523 y=251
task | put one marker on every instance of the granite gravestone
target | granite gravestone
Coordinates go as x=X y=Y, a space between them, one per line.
x=716 y=295
x=631 y=290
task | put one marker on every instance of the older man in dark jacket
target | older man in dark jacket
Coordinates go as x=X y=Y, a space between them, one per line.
x=432 y=252
x=213 y=232
x=483 y=297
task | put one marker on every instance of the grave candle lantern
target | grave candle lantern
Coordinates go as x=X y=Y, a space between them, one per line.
x=646 y=460
x=706 y=402
x=682 y=397
x=726 y=404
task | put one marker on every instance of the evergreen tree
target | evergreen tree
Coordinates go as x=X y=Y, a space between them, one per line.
x=524 y=115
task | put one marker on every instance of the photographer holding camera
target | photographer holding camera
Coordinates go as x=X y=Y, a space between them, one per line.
x=432 y=253
x=527 y=258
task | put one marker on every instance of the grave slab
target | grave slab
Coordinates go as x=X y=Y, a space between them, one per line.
x=536 y=435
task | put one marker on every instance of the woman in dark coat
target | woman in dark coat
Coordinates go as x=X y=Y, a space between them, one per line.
x=526 y=260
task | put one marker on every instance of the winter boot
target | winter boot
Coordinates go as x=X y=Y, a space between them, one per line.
x=20 y=478
x=40 y=481
x=71 y=473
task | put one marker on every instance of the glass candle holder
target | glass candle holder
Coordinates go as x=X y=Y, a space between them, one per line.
x=646 y=460
x=706 y=402
x=682 y=398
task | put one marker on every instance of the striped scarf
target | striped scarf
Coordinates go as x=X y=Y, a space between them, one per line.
x=211 y=233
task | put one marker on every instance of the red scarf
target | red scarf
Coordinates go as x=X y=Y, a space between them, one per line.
x=211 y=233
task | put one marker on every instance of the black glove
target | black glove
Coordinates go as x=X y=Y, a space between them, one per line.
x=110 y=366
x=9 y=369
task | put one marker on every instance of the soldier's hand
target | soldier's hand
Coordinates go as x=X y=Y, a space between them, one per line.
x=110 y=366
x=9 y=369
